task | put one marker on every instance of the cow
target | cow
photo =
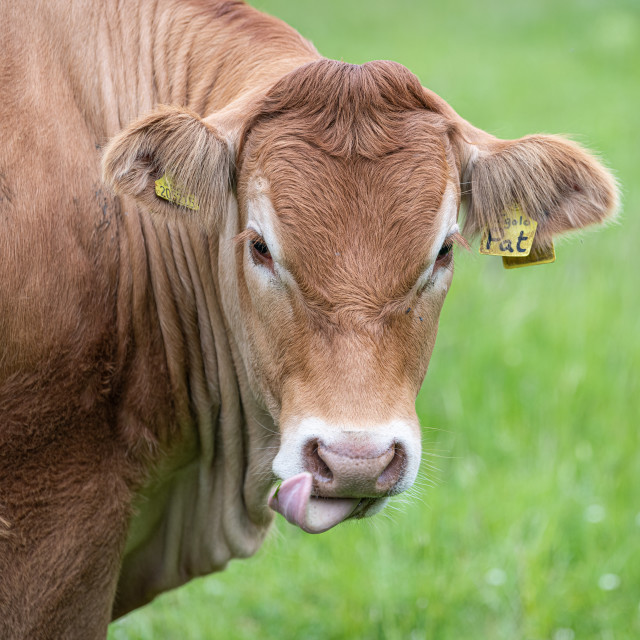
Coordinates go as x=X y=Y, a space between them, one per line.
x=224 y=258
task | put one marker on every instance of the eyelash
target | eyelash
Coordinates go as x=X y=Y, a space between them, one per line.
x=446 y=250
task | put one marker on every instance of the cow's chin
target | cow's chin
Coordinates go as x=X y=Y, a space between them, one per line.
x=294 y=500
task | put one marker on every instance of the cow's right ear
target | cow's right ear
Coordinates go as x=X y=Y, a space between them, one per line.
x=194 y=156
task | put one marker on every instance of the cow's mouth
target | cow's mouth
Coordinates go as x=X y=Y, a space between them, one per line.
x=294 y=500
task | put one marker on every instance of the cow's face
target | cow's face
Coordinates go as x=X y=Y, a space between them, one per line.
x=336 y=255
x=343 y=265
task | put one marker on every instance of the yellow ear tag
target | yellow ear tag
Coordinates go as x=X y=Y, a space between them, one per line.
x=536 y=256
x=168 y=190
x=513 y=237
x=513 y=240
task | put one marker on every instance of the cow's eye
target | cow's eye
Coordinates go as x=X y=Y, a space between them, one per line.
x=260 y=252
x=445 y=252
x=261 y=247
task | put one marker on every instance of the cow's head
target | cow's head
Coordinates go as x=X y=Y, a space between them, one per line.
x=336 y=200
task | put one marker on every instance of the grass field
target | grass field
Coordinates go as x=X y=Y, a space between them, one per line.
x=526 y=522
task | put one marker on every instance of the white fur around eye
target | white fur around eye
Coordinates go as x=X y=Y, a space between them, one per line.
x=448 y=227
x=262 y=216
x=263 y=220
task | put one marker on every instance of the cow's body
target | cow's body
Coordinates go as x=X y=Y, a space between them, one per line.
x=135 y=451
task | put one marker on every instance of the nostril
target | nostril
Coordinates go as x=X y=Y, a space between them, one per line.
x=315 y=464
x=394 y=470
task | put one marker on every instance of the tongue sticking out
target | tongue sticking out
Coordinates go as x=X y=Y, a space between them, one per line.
x=294 y=501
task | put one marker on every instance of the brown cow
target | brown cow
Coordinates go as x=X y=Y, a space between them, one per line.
x=165 y=362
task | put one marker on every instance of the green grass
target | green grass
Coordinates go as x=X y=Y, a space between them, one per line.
x=531 y=407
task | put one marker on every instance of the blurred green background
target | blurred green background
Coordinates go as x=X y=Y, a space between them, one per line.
x=526 y=520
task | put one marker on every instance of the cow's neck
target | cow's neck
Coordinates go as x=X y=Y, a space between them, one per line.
x=172 y=52
x=205 y=501
x=181 y=389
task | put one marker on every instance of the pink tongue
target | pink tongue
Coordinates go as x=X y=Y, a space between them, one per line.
x=314 y=515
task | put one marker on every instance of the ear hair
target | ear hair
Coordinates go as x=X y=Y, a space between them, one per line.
x=553 y=180
x=177 y=142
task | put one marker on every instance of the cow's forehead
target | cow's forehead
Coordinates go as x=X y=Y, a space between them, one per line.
x=347 y=199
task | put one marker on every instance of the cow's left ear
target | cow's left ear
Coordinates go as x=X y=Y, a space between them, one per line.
x=190 y=157
x=553 y=180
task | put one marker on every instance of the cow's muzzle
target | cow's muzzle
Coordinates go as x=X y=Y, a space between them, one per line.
x=353 y=470
x=331 y=474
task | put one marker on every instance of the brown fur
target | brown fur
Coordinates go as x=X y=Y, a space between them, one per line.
x=390 y=158
x=553 y=180
x=138 y=357
x=155 y=146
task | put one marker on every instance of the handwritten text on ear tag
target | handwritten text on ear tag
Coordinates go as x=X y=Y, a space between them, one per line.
x=512 y=238
x=168 y=190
